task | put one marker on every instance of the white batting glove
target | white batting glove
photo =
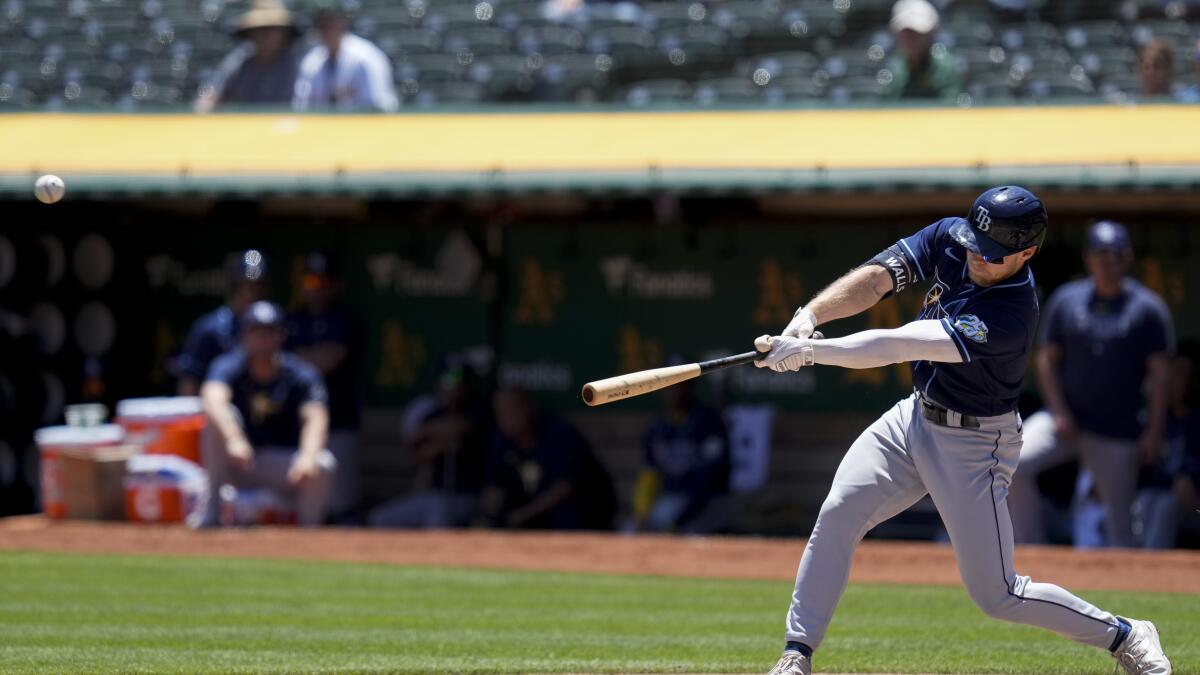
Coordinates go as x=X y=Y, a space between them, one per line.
x=784 y=353
x=802 y=325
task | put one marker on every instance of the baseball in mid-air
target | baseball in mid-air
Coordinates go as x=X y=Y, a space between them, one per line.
x=49 y=189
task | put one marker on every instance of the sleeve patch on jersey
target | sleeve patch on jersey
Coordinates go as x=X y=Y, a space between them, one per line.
x=971 y=327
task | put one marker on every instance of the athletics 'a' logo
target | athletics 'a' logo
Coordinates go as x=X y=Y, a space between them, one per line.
x=983 y=219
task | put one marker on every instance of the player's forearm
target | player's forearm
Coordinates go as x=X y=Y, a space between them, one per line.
x=314 y=430
x=917 y=341
x=855 y=292
x=1157 y=394
x=215 y=399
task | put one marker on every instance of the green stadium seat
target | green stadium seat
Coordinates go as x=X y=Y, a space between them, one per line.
x=550 y=40
x=1096 y=35
x=568 y=76
x=792 y=90
x=408 y=41
x=727 y=90
x=855 y=89
x=745 y=18
x=429 y=68
x=503 y=78
x=481 y=41
x=662 y=16
x=13 y=99
x=450 y=93
x=655 y=92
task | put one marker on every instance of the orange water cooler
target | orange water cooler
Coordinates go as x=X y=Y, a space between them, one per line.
x=168 y=425
x=53 y=442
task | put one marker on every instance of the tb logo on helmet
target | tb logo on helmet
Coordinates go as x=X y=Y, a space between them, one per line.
x=984 y=219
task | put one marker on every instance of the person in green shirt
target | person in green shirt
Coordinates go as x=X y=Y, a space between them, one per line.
x=921 y=67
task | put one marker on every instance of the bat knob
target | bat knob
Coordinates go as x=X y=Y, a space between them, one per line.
x=817 y=335
x=763 y=343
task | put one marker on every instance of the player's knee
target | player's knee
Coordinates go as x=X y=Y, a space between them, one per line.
x=994 y=599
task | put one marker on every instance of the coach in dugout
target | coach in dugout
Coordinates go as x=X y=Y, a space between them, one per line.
x=268 y=420
x=1104 y=340
x=217 y=332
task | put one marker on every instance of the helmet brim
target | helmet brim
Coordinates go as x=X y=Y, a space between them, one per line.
x=972 y=240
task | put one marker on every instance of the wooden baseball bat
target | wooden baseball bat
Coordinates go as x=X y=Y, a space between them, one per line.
x=646 y=381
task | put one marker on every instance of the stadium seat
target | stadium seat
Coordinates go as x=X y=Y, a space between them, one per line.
x=429 y=68
x=661 y=16
x=855 y=89
x=568 y=77
x=480 y=41
x=655 y=92
x=507 y=77
x=1058 y=86
x=442 y=17
x=780 y=65
x=399 y=42
x=1096 y=35
x=727 y=90
x=743 y=19
x=550 y=40
x=13 y=98
x=450 y=93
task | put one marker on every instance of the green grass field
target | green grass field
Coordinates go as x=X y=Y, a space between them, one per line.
x=98 y=613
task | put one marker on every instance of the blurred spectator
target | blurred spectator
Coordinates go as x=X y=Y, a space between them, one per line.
x=1156 y=70
x=217 y=332
x=541 y=473
x=450 y=444
x=1104 y=341
x=268 y=420
x=344 y=71
x=262 y=70
x=326 y=333
x=1191 y=93
x=687 y=467
x=1173 y=496
x=923 y=68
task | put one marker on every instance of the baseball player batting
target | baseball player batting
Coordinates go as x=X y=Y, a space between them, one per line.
x=957 y=437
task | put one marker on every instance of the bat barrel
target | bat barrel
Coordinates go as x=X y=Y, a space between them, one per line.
x=636 y=384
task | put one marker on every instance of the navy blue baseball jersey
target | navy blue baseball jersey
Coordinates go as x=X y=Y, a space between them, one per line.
x=1105 y=342
x=340 y=327
x=270 y=410
x=211 y=336
x=992 y=326
x=691 y=454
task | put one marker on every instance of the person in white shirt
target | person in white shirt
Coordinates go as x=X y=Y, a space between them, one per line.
x=343 y=72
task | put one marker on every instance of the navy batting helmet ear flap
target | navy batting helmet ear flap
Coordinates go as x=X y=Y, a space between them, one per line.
x=1002 y=221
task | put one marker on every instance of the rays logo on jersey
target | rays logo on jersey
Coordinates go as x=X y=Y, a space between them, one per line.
x=972 y=327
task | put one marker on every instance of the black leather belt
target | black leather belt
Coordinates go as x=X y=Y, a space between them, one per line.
x=947 y=418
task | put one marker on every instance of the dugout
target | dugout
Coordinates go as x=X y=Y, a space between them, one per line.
x=560 y=247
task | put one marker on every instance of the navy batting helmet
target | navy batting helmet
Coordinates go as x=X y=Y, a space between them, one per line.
x=1003 y=221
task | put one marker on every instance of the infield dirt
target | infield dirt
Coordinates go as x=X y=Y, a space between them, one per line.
x=704 y=557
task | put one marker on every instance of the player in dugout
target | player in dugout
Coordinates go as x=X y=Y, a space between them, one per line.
x=686 y=476
x=1104 y=340
x=217 y=332
x=268 y=421
x=957 y=438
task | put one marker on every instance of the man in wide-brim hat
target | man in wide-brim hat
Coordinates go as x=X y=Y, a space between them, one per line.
x=262 y=70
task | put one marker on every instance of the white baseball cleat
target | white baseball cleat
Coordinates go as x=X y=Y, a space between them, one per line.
x=792 y=663
x=1141 y=653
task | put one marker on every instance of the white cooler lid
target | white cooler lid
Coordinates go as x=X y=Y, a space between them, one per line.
x=159 y=407
x=57 y=437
